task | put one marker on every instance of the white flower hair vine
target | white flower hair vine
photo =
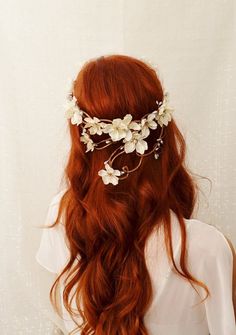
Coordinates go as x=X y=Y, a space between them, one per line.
x=132 y=133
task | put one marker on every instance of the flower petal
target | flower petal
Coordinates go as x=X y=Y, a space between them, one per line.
x=106 y=179
x=116 y=122
x=145 y=131
x=99 y=131
x=127 y=119
x=102 y=173
x=160 y=122
x=141 y=146
x=165 y=121
x=92 y=130
x=161 y=109
x=107 y=128
x=122 y=133
x=109 y=168
x=88 y=119
x=69 y=113
x=134 y=125
x=152 y=124
x=129 y=147
x=151 y=117
x=76 y=118
x=128 y=135
x=116 y=173
x=115 y=136
x=143 y=122
x=114 y=180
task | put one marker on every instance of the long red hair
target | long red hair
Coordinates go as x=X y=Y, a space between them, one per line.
x=107 y=226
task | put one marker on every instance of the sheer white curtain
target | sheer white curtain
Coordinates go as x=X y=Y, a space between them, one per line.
x=42 y=45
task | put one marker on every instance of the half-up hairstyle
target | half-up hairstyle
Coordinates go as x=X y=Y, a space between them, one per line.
x=107 y=226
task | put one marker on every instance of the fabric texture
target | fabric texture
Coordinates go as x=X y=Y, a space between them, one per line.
x=176 y=307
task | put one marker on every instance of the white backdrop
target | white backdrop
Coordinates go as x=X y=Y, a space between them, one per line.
x=42 y=46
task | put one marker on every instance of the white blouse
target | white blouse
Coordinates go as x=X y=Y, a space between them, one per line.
x=174 y=309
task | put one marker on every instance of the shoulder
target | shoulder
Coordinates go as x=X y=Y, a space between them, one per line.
x=53 y=208
x=53 y=252
x=212 y=260
x=207 y=240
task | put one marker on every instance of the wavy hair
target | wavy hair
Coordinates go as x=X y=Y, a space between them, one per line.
x=107 y=226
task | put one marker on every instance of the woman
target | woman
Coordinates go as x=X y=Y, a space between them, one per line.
x=130 y=258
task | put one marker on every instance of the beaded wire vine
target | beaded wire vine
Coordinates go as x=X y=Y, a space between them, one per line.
x=132 y=132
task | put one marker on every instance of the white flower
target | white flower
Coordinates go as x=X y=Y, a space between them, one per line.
x=109 y=175
x=165 y=117
x=136 y=142
x=147 y=123
x=119 y=128
x=164 y=111
x=77 y=117
x=94 y=125
x=88 y=141
x=73 y=112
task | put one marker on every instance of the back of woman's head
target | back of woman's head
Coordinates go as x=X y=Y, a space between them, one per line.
x=107 y=226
